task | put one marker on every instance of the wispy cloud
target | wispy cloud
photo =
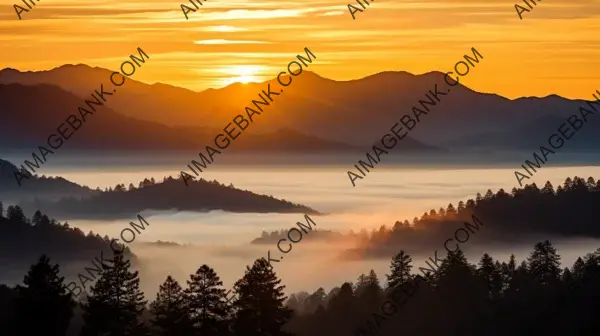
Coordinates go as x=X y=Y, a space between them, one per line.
x=229 y=42
x=416 y=35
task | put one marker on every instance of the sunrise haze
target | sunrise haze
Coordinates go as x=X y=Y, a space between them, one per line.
x=553 y=49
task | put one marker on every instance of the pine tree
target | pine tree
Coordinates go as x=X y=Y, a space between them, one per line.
x=361 y=284
x=170 y=314
x=544 y=263
x=508 y=271
x=470 y=204
x=488 y=195
x=316 y=299
x=591 y=184
x=115 y=304
x=450 y=210
x=1 y=210
x=455 y=277
x=344 y=309
x=37 y=218
x=43 y=305
x=15 y=213
x=577 y=269
x=491 y=275
x=372 y=292
x=259 y=309
x=548 y=189
x=399 y=269
x=207 y=302
x=568 y=184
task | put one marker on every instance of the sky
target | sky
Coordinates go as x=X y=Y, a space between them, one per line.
x=554 y=49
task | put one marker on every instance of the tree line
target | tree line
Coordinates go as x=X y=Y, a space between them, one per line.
x=533 y=297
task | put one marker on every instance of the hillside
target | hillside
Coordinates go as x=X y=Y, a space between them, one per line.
x=515 y=217
x=23 y=240
x=200 y=195
x=42 y=187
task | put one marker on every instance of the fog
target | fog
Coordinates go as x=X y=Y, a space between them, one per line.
x=222 y=240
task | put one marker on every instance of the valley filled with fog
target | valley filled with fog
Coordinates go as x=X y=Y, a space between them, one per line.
x=388 y=194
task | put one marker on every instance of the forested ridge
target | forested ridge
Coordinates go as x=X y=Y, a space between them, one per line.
x=23 y=239
x=535 y=296
x=61 y=198
x=200 y=195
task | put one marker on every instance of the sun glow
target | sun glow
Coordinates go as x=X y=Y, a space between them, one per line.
x=242 y=74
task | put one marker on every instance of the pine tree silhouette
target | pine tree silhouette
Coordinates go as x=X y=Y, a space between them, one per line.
x=544 y=263
x=115 y=304
x=43 y=306
x=206 y=300
x=259 y=310
x=169 y=310
x=399 y=269
x=491 y=275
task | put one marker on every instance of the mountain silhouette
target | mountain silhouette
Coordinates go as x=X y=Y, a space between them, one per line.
x=312 y=105
x=32 y=113
x=534 y=134
x=355 y=111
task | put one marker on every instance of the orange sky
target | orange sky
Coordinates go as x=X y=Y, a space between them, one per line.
x=554 y=49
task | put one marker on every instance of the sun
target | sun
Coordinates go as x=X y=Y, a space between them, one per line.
x=241 y=74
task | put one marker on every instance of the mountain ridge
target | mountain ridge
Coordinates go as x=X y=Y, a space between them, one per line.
x=317 y=106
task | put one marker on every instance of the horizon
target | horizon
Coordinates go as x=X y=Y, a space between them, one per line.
x=274 y=78
x=225 y=42
x=278 y=149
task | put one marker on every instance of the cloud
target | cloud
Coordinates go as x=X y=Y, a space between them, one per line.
x=229 y=42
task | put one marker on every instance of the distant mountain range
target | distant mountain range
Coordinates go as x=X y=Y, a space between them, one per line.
x=313 y=114
x=536 y=133
x=31 y=113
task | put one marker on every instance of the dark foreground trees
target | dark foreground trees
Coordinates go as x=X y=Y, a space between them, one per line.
x=43 y=306
x=169 y=310
x=532 y=297
x=116 y=303
x=259 y=308
x=535 y=296
x=116 y=306
x=492 y=298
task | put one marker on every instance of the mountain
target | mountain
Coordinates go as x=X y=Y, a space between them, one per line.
x=31 y=113
x=281 y=140
x=289 y=140
x=357 y=112
x=534 y=134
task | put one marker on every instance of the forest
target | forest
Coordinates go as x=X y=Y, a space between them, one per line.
x=535 y=296
x=201 y=195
